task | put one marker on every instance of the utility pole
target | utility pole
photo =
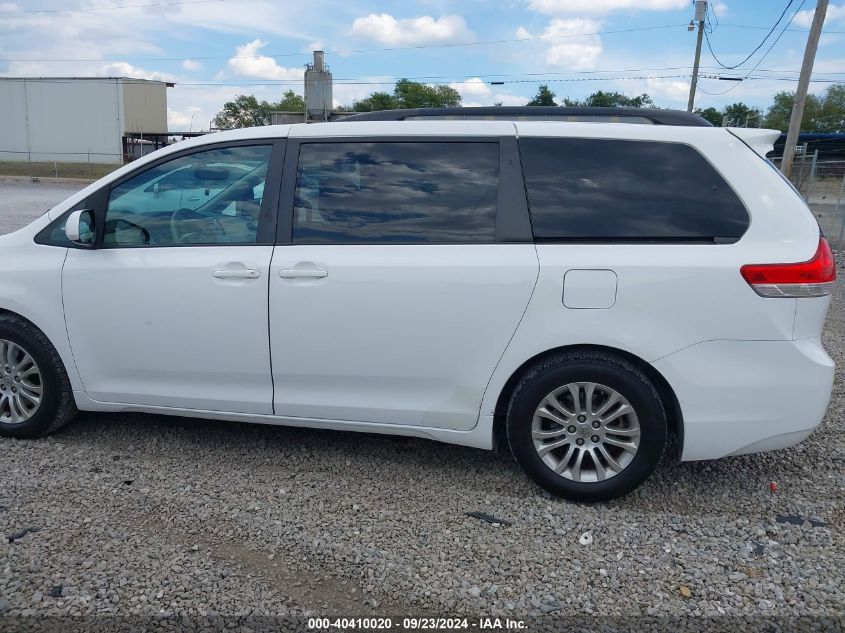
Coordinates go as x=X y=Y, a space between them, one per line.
x=803 y=86
x=700 y=12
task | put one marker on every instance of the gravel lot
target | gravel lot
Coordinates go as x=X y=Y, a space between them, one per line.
x=143 y=515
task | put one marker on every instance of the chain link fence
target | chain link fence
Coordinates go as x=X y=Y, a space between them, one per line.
x=58 y=165
x=822 y=185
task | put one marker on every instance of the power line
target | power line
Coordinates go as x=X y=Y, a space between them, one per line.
x=361 y=50
x=757 y=48
x=365 y=82
x=765 y=28
x=768 y=50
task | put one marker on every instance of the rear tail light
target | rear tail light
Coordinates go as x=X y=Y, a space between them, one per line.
x=813 y=278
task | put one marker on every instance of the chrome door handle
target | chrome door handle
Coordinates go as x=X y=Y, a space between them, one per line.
x=310 y=273
x=246 y=273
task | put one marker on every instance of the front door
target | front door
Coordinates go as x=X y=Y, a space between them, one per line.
x=394 y=300
x=171 y=308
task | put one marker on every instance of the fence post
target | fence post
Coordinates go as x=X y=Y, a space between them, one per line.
x=56 y=169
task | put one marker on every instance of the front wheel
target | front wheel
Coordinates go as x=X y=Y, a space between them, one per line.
x=586 y=426
x=35 y=393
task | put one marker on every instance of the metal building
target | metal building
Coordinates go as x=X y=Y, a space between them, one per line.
x=318 y=90
x=81 y=119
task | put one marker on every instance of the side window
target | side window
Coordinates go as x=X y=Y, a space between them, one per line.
x=210 y=197
x=396 y=192
x=616 y=189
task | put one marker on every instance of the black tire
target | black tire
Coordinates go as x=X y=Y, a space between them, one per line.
x=604 y=369
x=57 y=406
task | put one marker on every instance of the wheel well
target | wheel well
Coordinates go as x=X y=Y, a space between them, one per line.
x=21 y=317
x=674 y=417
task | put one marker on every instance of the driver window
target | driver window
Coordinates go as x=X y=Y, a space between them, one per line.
x=210 y=197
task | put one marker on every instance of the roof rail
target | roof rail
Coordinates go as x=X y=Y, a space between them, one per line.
x=652 y=116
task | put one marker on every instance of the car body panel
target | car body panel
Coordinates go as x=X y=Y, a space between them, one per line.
x=153 y=326
x=394 y=334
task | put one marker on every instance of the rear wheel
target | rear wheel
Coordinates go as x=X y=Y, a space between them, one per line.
x=586 y=426
x=35 y=393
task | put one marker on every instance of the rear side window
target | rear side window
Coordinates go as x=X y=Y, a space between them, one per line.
x=396 y=192
x=627 y=190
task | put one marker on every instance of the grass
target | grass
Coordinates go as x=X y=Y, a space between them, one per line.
x=87 y=171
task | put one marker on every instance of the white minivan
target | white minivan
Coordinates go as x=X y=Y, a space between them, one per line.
x=574 y=290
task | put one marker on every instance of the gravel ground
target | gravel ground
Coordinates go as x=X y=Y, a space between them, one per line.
x=144 y=515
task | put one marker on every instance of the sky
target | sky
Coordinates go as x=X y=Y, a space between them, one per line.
x=214 y=50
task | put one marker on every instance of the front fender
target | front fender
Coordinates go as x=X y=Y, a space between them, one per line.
x=31 y=287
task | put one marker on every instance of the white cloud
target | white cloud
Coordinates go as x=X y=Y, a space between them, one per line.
x=248 y=62
x=190 y=64
x=719 y=8
x=578 y=47
x=125 y=69
x=387 y=30
x=834 y=12
x=316 y=45
x=509 y=99
x=559 y=7
x=473 y=87
x=671 y=89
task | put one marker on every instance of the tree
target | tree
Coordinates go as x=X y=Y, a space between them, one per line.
x=410 y=94
x=711 y=114
x=602 y=99
x=778 y=114
x=291 y=102
x=832 y=115
x=248 y=111
x=376 y=101
x=243 y=111
x=742 y=115
x=544 y=97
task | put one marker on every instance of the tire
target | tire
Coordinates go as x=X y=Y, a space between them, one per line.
x=644 y=426
x=56 y=406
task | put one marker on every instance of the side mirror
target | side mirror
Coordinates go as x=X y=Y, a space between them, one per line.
x=79 y=227
x=156 y=190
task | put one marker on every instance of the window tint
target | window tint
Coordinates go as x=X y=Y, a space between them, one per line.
x=611 y=189
x=396 y=192
x=210 y=197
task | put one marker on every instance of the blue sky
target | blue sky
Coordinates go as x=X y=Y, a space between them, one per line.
x=216 y=49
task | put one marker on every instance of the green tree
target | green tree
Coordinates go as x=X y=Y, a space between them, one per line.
x=544 y=97
x=741 y=115
x=243 y=111
x=832 y=115
x=409 y=94
x=602 y=99
x=248 y=111
x=376 y=101
x=291 y=102
x=778 y=114
x=711 y=114
x=412 y=94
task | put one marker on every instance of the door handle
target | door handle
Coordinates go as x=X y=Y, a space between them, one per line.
x=309 y=273
x=244 y=273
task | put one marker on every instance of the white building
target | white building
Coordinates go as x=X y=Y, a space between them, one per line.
x=80 y=119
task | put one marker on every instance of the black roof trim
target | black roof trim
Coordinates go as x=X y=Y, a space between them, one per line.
x=655 y=116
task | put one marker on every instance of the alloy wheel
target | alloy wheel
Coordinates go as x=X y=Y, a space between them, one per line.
x=586 y=432
x=21 y=384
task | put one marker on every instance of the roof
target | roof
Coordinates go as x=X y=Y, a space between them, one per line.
x=169 y=84
x=653 y=116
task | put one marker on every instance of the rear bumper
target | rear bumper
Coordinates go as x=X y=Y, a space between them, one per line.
x=748 y=396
